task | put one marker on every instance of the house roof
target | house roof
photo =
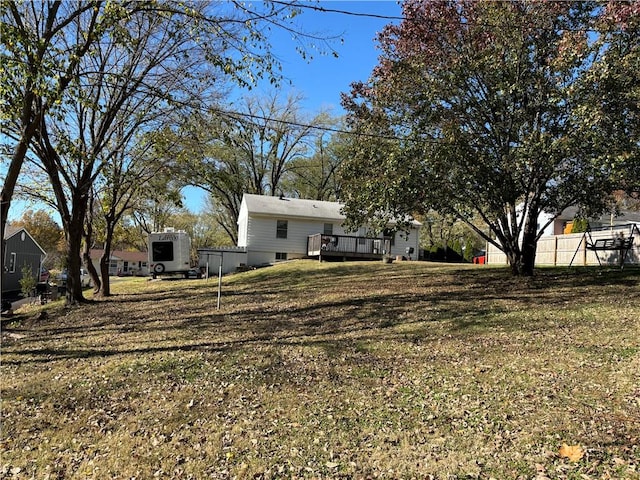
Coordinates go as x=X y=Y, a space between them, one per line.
x=121 y=255
x=13 y=231
x=10 y=231
x=625 y=216
x=295 y=207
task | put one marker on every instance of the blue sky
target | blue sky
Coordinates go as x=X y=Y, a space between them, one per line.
x=322 y=79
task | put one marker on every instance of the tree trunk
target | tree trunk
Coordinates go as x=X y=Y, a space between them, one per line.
x=528 y=260
x=88 y=263
x=74 y=232
x=104 y=267
x=86 y=256
x=522 y=259
x=11 y=179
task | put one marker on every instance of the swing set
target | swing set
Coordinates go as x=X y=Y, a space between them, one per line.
x=617 y=242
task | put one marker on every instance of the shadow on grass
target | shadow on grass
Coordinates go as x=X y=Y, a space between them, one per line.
x=336 y=306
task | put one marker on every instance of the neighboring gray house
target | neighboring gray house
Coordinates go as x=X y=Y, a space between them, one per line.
x=273 y=229
x=21 y=250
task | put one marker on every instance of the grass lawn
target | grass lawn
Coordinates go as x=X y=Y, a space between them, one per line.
x=333 y=370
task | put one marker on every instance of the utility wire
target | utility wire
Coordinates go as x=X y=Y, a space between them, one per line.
x=234 y=115
x=465 y=22
x=342 y=12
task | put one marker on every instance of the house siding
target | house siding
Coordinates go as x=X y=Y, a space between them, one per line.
x=243 y=225
x=27 y=252
x=229 y=258
x=262 y=243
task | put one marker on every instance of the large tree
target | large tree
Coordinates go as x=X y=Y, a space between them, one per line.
x=145 y=67
x=317 y=175
x=157 y=55
x=477 y=109
x=611 y=85
x=38 y=61
x=250 y=150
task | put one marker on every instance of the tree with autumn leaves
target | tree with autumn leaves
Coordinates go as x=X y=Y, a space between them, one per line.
x=81 y=82
x=495 y=112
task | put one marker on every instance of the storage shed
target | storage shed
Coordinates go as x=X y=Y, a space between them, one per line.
x=230 y=258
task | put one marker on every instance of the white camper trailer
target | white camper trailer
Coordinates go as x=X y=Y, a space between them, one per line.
x=169 y=252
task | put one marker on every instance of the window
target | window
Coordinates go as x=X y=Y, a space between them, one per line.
x=281 y=256
x=328 y=229
x=391 y=235
x=362 y=233
x=281 y=229
x=12 y=263
x=162 y=251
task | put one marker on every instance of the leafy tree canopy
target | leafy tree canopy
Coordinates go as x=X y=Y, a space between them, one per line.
x=486 y=110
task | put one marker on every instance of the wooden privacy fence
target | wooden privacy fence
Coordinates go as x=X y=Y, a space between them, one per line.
x=559 y=250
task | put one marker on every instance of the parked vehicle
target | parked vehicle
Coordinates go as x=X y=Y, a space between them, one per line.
x=85 y=279
x=193 y=273
x=44 y=275
x=481 y=258
x=169 y=252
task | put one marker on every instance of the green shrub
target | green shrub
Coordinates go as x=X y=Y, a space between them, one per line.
x=28 y=281
x=579 y=225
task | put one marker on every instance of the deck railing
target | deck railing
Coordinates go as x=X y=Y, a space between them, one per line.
x=335 y=245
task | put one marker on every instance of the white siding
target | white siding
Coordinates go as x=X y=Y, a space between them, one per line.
x=401 y=243
x=243 y=227
x=229 y=258
x=262 y=243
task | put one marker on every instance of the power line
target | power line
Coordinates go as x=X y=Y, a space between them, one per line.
x=342 y=12
x=465 y=22
x=290 y=123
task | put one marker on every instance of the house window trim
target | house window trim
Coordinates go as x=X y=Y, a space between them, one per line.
x=390 y=235
x=327 y=229
x=282 y=227
x=281 y=256
x=13 y=258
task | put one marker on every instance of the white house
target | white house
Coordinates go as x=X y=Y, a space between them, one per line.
x=273 y=229
x=122 y=262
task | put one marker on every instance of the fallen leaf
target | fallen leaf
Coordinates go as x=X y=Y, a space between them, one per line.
x=573 y=452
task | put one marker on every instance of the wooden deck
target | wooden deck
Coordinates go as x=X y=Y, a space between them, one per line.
x=347 y=247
